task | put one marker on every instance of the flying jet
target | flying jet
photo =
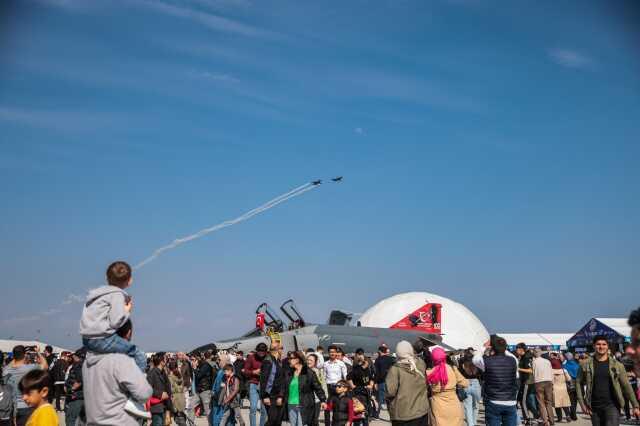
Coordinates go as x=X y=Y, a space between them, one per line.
x=316 y=182
x=337 y=179
x=296 y=334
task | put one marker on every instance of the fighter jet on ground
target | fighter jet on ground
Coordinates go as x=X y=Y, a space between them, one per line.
x=337 y=179
x=298 y=335
x=316 y=182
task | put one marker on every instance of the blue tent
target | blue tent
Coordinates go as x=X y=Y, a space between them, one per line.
x=614 y=329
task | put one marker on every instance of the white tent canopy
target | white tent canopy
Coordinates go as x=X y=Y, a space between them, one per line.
x=537 y=339
x=460 y=327
x=619 y=325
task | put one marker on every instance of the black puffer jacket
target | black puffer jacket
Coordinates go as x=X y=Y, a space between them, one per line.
x=273 y=389
x=204 y=377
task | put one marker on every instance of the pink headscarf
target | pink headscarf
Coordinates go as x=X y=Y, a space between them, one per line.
x=439 y=373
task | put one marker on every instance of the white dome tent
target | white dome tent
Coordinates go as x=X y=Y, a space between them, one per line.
x=459 y=326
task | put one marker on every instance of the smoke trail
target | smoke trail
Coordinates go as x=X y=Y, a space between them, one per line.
x=264 y=207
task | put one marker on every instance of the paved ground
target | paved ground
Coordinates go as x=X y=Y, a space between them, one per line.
x=201 y=421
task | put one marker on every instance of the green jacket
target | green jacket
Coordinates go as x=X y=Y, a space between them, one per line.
x=619 y=379
x=406 y=392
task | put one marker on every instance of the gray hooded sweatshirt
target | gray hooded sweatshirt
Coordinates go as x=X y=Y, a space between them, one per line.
x=109 y=381
x=103 y=313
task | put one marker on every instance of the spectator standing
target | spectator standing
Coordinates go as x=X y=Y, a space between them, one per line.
x=271 y=390
x=161 y=386
x=301 y=388
x=110 y=380
x=238 y=366
x=50 y=357
x=74 y=402
x=320 y=355
x=361 y=379
x=204 y=376
x=500 y=388
x=13 y=373
x=446 y=408
x=561 y=381
x=341 y=405
x=334 y=371
x=382 y=364
x=178 y=397
x=543 y=379
x=312 y=364
x=526 y=390
x=406 y=388
x=252 y=368
x=572 y=366
x=606 y=386
x=470 y=372
x=230 y=397
x=58 y=373
x=7 y=402
x=627 y=361
x=34 y=388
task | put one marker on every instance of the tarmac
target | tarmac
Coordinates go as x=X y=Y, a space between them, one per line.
x=384 y=421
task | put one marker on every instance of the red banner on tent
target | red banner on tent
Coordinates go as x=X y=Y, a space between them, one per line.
x=427 y=319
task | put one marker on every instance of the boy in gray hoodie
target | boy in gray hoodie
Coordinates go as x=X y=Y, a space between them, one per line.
x=107 y=308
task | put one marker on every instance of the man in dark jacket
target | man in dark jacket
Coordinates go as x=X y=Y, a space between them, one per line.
x=271 y=393
x=238 y=366
x=606 y=386
x=161 y=386
x=500 y=388
x=381 y=365
x=74 y=403
x=205 y=375
x=58 y=372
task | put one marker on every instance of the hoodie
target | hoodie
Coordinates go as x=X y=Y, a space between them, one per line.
x=109 y=381
x=103 y=313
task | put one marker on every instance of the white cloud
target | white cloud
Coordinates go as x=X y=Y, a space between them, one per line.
x=19 y=320
x=571 y=58
x=205 y=19
x=220 y=77
x=359 y=130
x=73 y=298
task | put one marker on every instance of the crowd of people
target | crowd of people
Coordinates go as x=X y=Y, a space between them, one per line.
x=109 y=381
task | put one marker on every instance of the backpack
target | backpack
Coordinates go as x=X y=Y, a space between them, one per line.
x=6 y=402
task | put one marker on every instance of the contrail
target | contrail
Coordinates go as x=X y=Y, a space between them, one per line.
x=264 y=207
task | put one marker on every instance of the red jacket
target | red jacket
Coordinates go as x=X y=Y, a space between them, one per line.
x=249 y=365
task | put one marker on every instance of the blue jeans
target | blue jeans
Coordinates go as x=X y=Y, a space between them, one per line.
x=295 y=415
x=500 y=415
x=254 y=404
x=472 y=403
x=382 y=388
x=115 y=344
x=157 y=419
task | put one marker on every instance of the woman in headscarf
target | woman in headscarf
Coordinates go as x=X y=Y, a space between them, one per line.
x=406 y=389
x=446 y=408
x=561 y=379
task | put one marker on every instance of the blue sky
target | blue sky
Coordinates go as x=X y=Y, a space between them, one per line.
x=489 y=150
